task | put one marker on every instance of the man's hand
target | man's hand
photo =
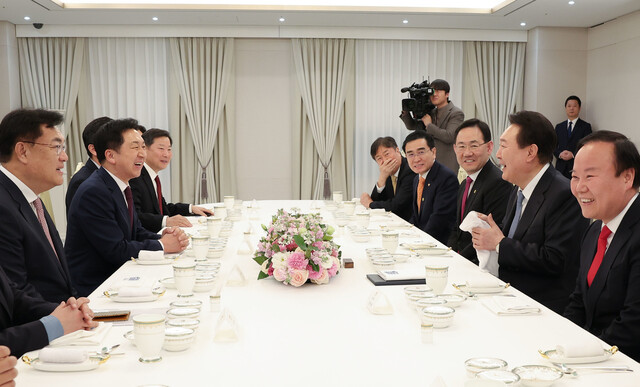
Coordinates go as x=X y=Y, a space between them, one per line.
x=565 y=155
x=174 y=240
x=72 y=319
x=426 y=120
x=201 y=211
x=365 y=200
x=486 y=238
x=8 y=371
x=81 y=304
x=178 y=221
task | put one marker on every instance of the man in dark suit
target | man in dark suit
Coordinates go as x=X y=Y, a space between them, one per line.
x=32 y=155
x=153 y=210
x=103 y=230
x=606 y=299
x=434 y=187
x=393 y=188
x=569 y=133
x=484 y=190
x=28 y=323
x=537 y=247
x=92 y=163
x=441 y=123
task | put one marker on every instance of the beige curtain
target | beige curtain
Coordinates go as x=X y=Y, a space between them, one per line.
x=324 y=68
x=203 y=68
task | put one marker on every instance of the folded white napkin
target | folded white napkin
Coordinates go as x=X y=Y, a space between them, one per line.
x=130 y=291
x=134 y=281
x=584 y=346
x=484 y=281
x=486 y=260
x=401 y=274
x=509 y=306
x=81 y=337
x=146 y=255
x=62 y=355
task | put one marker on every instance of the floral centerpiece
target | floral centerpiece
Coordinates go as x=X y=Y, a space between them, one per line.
x=297 y=248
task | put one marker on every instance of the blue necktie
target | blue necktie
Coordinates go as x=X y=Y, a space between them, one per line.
x=569 y=128
x=516 y=217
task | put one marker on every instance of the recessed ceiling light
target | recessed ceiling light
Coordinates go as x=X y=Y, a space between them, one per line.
x=155 y=18
x=572 y=2
x=405 y=21
x=523 y=24
x=281 y=20
x=27 y=18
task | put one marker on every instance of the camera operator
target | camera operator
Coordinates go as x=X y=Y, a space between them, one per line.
x=441 y=123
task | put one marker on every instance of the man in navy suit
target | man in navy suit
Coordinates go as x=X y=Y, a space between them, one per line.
x=92 y=163
x=434 y=187
x=538 y=244
x=395 y=181
x=606 y=299
x=486 y=192
x=153 y=210
x=569 y=133
x=32 y=154
x=103 y=230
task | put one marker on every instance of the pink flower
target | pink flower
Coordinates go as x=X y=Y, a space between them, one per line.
x=299 y=277
x=297 y=261
x=333 y=270
x=313 y=275
x=270 y=271
x=280 y=274
x=291 y=246
x=324 y=278
x=317 y=244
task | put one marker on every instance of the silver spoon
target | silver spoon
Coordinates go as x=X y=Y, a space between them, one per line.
x=574 y=371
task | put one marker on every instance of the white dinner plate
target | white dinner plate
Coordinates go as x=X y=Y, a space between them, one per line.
x=554 y=357
x=433 y=251
x=481 y=290
x=418 y=245
x=169 y=282
x=165 y=261
x=149 y=298
x=87 y=365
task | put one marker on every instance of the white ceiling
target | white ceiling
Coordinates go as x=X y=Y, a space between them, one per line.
x=536 y=13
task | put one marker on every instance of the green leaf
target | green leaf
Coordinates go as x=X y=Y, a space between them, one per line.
x=265 y=228
x=262 y=275
x=275 y=247
x=314 y=266
x=300 y=242
x=260 y=259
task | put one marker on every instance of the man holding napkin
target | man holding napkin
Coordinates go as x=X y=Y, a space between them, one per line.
x=103 y=230
x=606 y=299
x=538 y=243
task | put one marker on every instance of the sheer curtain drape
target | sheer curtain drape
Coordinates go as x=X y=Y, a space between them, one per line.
x=383 y=67
x=50 y=71
x=324 y=69
x=203 y=68
x=496 y=74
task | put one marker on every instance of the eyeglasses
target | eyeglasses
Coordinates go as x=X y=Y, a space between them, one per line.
x=472 y=147
x=419 y=153
x=58 y=147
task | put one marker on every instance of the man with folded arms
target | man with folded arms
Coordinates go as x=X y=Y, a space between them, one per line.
x=103 y=231
x=28 y=323
x=483 y=191
x=393 y=189
x=32 y=153
x=92 y=163
x=537 y=246
x=606 y=299
x=153 y=210
x=434 y=188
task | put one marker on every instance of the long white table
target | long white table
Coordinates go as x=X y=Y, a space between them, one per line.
x=321 y=335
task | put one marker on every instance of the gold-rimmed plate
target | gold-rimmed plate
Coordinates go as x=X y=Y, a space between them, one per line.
x=553 y=356
x=470 y=290
x=90 y=364
x=155 y=294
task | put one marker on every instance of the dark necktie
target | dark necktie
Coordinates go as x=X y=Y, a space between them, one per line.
x=597 y=260
x=569 y=127
x=464 y=197
x=43 y=222
x=129 y=197
x=159 y=193
x=516 y=217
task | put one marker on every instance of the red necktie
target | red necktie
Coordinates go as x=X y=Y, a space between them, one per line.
x=43 y=222
x=420 y=188
x=129 y=197
x=464 y=197
x=597 y=260
x=159 y=193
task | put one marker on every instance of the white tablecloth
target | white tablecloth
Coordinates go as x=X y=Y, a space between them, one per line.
x=322 y=335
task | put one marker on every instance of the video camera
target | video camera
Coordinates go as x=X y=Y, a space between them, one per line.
x=419 y=104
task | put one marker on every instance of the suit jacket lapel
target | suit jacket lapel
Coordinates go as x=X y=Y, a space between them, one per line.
x=511 y=211
x=118 y=198
x=534 y=203
x=154 y=195
x=426 y=191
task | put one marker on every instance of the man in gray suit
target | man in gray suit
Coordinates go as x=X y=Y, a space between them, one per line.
x=441 y=123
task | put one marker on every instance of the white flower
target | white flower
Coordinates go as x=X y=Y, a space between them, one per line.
x=279 y=260
x=327 y=262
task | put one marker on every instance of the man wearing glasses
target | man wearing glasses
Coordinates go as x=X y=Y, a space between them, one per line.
x=32 y=153
x=434 y=187
x=483 y=191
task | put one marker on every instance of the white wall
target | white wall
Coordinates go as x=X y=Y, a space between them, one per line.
x=613 y=76
x=263 y=118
